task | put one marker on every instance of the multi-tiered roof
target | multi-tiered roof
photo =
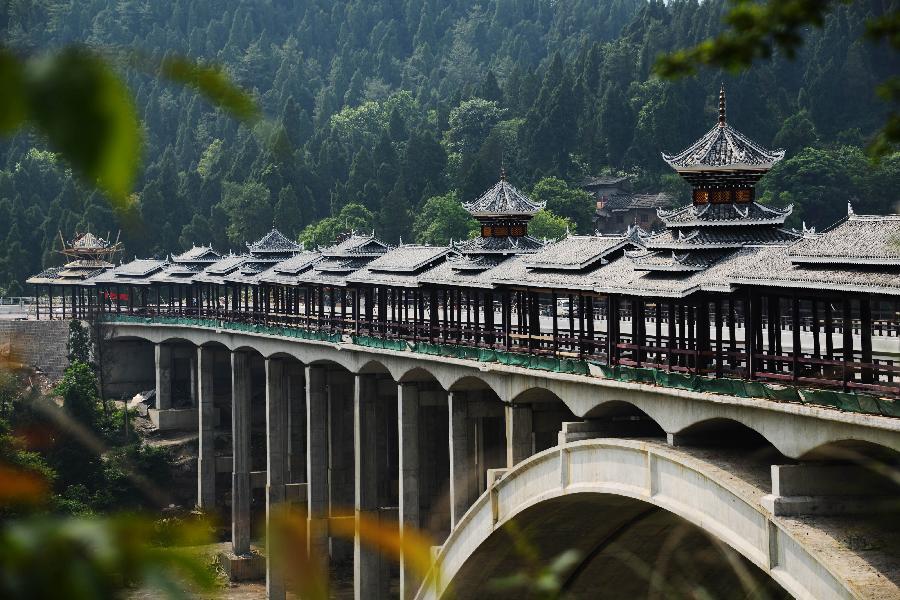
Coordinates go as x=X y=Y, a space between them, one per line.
x=722 y=167
x=90 y=256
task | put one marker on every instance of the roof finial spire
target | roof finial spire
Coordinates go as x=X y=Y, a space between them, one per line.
x=722 y=105
x=502 y=173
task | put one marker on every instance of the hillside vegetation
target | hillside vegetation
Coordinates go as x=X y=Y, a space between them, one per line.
x=376 y=106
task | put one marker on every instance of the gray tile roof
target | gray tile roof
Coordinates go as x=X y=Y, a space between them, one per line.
x=136 y=272
x=274 y=241
x=575 y=252
x=774 y=268
x=197 y=254
x=72 y=273
x=709 y=215
x=623 y=202
x=226 y=264
x=356 y=245
x=723 y=147
x=720 y=237
x=407 y=259
x=696 y=260
x=857 y=240
x=503 y=200
x=603 y=181
x=297 y=263
x=499 y=245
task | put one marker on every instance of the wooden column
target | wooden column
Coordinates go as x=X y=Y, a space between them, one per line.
x=796 y=349
x=865 y=331
x=847 y=350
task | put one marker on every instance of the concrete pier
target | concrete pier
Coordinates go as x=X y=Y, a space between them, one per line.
x=460 y=461
x=519 y=438
x=408 y=445
x=367 y=575
x=206 y=453
x=276 y=454
x=240 y=432
x=162 y=354
x=317 y=463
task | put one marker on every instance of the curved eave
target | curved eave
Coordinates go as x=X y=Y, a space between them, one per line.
x=719 y=246
x=804 y=284
x=845 y=261
x=733 y=167
x=501 y=215
x=669 y=268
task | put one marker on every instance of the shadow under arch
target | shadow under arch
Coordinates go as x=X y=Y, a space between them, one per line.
x=548 y=412
x=620 y=547
x=623 y=419
x=724 y=433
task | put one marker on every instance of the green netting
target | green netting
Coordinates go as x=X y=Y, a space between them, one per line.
x=889 y=407
x=754 y=389
x=486 y=355
x=820 y=398
x=606 y=371
x=781 y=393
x=868 y=404
x=680 y=381
x=731 y=387
x=426 y=348
x=575 y=367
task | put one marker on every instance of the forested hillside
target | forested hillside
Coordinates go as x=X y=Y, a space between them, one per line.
x=380 y=105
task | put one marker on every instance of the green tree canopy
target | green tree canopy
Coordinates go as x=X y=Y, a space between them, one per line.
x=353 y=217
x=249 y=211
x=470 y=123
x=571 y=203
x=442 y=219
x=547 y=225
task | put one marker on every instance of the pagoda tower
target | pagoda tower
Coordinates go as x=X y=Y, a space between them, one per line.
x=723 y=168
x=503 y=213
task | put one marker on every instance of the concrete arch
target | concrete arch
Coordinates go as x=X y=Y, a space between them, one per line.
x=473 y=382
x=372 y=366
x=535 y=394
x=720 y=431
x=851 y=450
x=417 y=374
x=725 y=507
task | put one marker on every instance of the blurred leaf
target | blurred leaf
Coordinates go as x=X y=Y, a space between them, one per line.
x=213 y=84
x=92 y=558
x=13 y=103
x=89 y=116
x=385 y=537
x=19 y=486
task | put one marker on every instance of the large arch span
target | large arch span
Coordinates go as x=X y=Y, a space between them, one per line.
x=584 y=494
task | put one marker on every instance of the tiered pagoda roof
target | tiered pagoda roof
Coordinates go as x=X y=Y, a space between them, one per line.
x=343 y=258
x=265 y=252
x=503 y=200
x=713 y=215
x=91 y=257
x=199 y=255
x=273 y=242
x=722 y=167
x=503 y=212
x=723 y=155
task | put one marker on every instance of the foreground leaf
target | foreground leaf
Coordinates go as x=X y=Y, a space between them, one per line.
x=88 y=115
x=13 y=102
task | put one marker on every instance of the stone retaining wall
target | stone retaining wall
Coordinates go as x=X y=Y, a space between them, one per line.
x=40 y=344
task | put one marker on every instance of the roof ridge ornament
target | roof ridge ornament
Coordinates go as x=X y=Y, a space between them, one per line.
x=722 y=105
x=850 y=212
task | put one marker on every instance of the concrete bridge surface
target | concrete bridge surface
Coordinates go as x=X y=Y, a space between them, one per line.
x=657 y=492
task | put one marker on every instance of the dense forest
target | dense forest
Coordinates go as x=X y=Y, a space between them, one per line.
x=382 y=114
